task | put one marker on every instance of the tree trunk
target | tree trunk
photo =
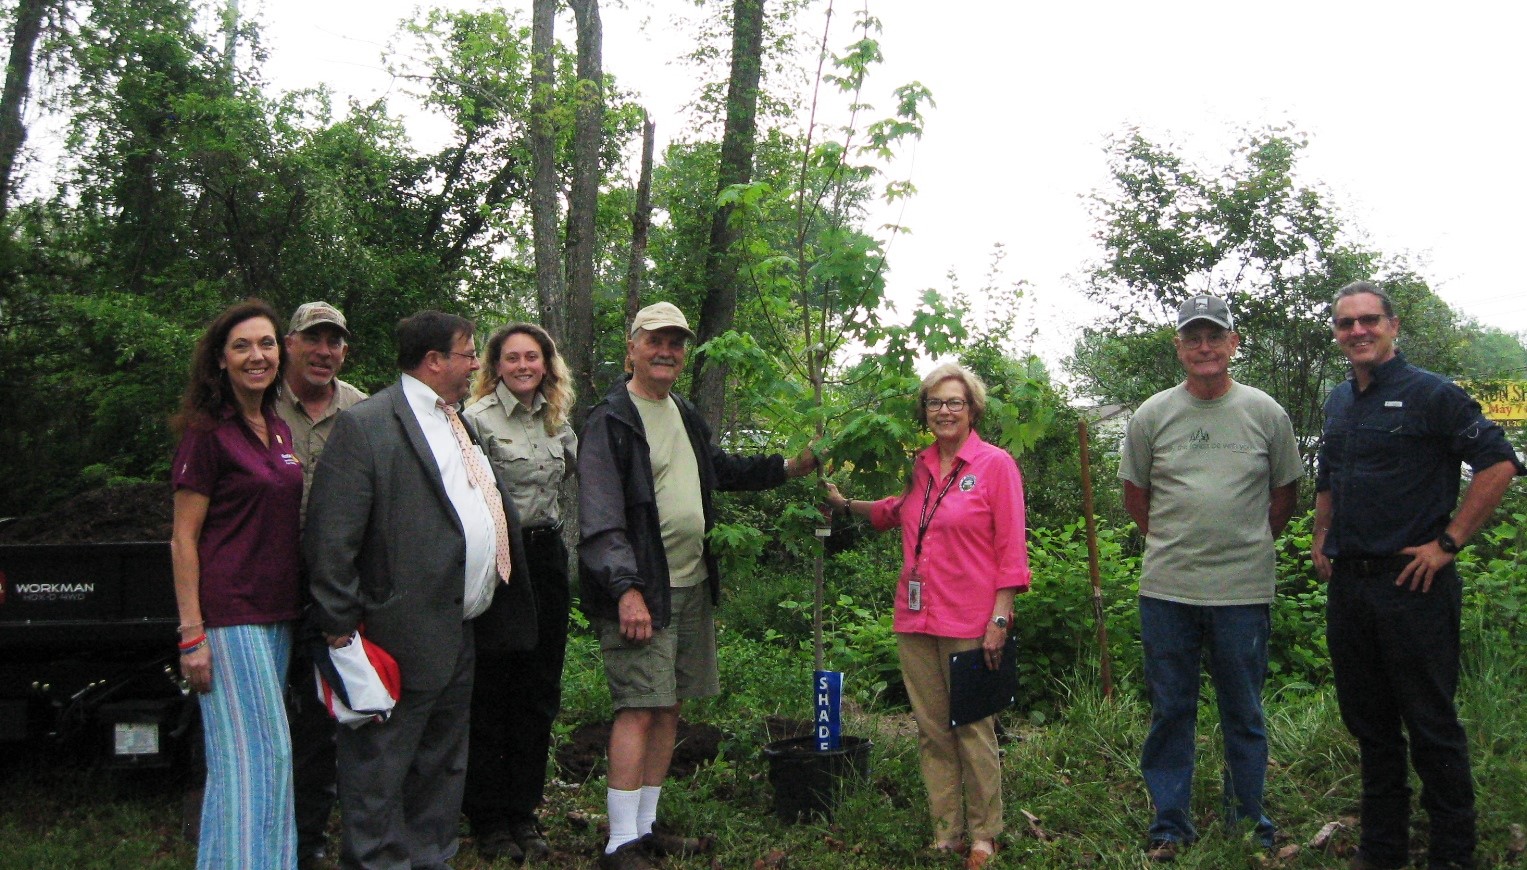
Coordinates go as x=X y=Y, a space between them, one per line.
x=641 y=223
x=545 y=212
x=588 y=129
x=720 y=306
x=18 y=81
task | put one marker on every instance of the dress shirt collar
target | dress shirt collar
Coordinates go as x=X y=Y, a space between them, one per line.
x=422 y=399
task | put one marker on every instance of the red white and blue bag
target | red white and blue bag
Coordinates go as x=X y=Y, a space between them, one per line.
x=357 y=683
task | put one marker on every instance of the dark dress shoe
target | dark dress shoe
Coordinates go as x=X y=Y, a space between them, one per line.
x=531 y=843
x=498 y=844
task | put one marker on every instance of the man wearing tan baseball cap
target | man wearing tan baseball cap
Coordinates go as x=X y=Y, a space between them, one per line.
x=310 y=399
x=647 y=468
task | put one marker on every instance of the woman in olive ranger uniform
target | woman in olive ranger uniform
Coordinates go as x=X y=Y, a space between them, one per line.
x=520 y=404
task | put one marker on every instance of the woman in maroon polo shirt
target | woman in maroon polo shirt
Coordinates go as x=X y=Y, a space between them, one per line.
x=238 y=497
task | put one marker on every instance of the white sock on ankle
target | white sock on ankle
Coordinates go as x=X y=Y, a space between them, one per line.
x=646 y=812
x=622 y=806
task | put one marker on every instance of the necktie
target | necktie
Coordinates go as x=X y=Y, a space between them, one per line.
x=482 y=480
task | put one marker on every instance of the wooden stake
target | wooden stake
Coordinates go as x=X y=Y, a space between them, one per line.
x=1092 y=561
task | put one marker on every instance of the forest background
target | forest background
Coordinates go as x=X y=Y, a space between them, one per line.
x=187 y=182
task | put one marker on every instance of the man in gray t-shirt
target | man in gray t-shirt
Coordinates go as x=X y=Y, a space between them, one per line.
x=1210 y=469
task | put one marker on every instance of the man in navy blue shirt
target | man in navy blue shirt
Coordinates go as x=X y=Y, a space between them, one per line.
x=1386 y=536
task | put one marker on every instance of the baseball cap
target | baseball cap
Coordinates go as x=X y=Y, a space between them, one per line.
x=1204 y=307
x=661 y=315
x=311 y=314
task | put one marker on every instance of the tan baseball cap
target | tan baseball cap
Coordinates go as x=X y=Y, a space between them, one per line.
x=311 y=314
x=661 y=315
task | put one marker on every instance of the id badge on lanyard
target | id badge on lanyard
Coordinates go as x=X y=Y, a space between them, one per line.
x=924 y=519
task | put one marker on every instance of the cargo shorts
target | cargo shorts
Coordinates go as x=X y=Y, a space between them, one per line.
x=678 y=663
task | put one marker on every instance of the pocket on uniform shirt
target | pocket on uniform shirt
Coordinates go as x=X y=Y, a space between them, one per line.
x=1389 y=421
x=505 y=454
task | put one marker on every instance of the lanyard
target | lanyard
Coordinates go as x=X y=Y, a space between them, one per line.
x=925 y=516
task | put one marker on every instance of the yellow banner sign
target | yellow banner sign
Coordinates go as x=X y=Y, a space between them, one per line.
x=1502 y=401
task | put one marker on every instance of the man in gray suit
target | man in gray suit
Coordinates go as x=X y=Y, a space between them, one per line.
x=406 y=538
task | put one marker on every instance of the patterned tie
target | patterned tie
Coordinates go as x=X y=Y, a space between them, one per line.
x=482 y=480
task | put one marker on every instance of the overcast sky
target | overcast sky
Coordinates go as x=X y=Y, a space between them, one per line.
x=1408 y=108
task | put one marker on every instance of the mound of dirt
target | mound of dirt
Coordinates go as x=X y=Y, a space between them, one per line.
x=111 y=514
x=695 y=744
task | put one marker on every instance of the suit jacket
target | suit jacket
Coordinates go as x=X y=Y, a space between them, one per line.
x=385 y=548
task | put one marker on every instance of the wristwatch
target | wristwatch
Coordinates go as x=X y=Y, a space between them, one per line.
x=1448 y=544
x=999 y=621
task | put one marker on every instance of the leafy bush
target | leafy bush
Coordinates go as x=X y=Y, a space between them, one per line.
x=1296 y=651
x=1494 y=614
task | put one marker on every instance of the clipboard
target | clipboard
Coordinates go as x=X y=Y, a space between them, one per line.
x=974 y=691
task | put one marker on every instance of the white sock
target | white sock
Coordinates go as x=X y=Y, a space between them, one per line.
x=646 y=812
x=622 y=806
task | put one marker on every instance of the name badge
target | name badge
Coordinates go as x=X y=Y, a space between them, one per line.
x=1394 y=403
x=915 y=595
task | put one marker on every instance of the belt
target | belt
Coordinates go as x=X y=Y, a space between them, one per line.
x=537 y=531
x=1370 y=566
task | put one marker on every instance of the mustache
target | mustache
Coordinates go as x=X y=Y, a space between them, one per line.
x=665 y=360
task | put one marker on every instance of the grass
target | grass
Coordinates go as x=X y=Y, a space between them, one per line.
x=1072 y=786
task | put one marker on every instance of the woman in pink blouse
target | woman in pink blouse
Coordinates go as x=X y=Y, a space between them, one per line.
x=964 y=558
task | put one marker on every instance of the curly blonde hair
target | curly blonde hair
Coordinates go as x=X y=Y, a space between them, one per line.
x=556 y=386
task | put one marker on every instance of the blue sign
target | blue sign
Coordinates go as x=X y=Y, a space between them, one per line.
x=828 y=727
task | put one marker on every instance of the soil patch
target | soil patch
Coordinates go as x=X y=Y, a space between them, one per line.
x=695 y=744
x=780 y=728
x=111 y=514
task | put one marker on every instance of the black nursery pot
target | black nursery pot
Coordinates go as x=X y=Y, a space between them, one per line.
x=807 y=781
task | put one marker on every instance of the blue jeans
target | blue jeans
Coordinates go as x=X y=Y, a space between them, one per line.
x=1176 y=638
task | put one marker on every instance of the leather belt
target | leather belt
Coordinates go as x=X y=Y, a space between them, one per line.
x=1371 y=566
x=538 y=531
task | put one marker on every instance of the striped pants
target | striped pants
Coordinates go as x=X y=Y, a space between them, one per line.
x=246 y=816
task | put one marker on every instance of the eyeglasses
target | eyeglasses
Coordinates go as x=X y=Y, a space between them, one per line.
x=471 y=356
x=1369 y=321
x=1216 y=339
x=955 y=405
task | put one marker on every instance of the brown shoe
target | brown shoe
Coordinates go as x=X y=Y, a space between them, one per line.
x=663 y=844
x=977 y=858
x=631 y=856
x=1162 y=851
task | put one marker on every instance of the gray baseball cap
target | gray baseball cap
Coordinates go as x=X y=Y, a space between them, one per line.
x=1205 y=307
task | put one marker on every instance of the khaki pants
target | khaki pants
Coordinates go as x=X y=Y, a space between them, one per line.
x=960 y=765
